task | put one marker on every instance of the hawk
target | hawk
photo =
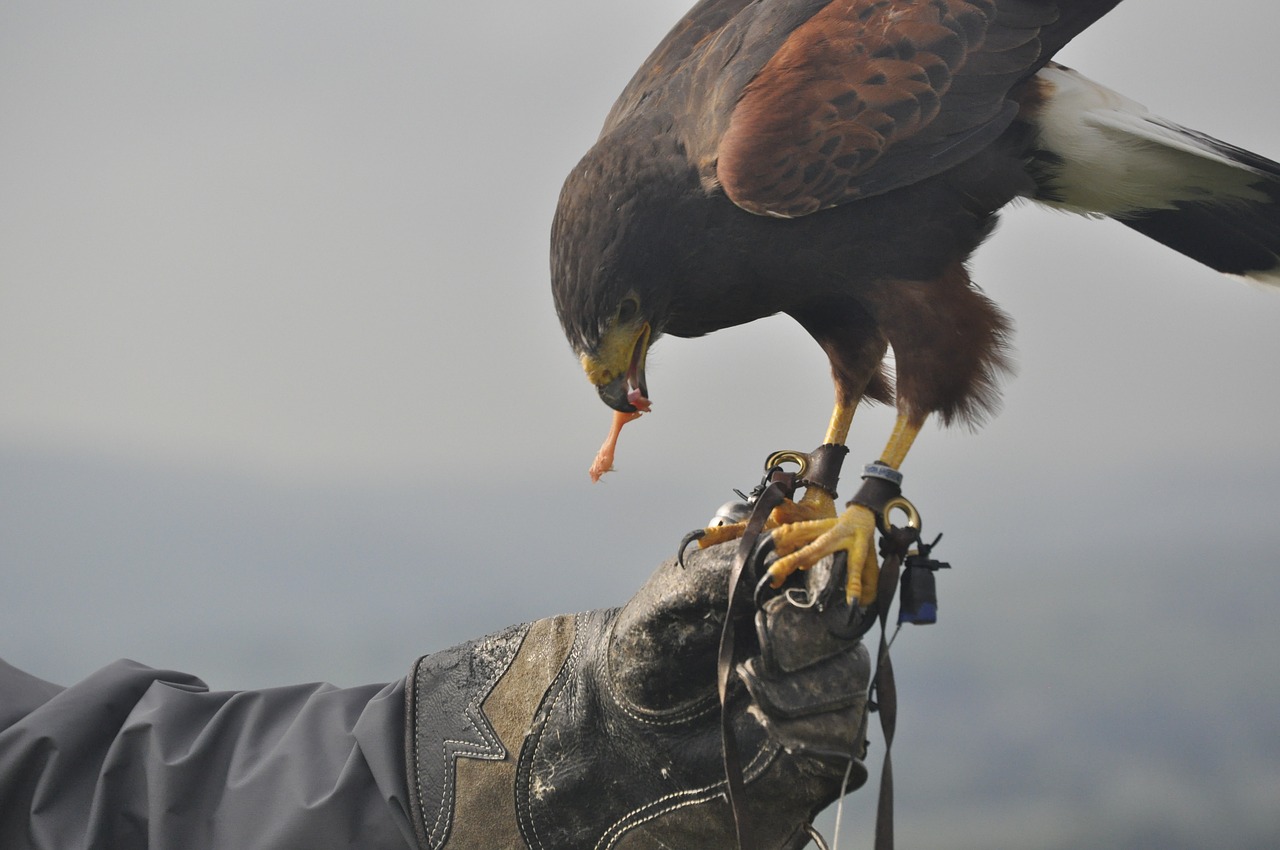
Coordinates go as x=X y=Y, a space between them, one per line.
x=838 y=161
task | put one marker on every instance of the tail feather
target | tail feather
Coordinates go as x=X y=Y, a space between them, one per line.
x=1100 y=153
x=1244 y=242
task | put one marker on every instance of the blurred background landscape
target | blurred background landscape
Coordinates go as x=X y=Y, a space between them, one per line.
x=283 y=398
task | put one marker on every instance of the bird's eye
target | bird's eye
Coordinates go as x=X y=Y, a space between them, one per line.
x=627 y=310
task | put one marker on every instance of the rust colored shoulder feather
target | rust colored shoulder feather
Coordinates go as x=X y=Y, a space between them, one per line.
x=869 y=95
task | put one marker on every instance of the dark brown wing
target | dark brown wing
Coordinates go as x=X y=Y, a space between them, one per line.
x=704 y=19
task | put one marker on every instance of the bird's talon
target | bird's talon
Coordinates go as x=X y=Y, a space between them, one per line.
x=779 y=571
x=696 y=534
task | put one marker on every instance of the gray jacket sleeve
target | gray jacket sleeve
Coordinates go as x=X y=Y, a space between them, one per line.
x=134 y=757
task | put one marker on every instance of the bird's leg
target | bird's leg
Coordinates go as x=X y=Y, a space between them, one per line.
x=816 y=503
x=803 y=544
x=905 y=429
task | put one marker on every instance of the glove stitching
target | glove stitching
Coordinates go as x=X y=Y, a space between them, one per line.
x=417 y=762
x=476 y=722
x=758 y=765
x=417 y=765
x=676 y=716
x=571 y=666
x=463 y=750
x=615 y=832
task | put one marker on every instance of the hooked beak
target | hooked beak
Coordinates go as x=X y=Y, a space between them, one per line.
x=627 y=392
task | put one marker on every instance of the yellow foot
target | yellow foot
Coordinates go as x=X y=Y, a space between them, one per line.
x=811 y=507
x=803 y=544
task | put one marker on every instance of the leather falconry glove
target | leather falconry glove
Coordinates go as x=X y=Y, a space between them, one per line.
x=602 y=731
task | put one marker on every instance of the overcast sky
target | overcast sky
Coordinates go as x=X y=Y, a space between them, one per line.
x=283 y=397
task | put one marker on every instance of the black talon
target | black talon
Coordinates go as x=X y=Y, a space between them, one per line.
x=760 y=552
x=844 y=620
x=691 y=537
x=755 y=568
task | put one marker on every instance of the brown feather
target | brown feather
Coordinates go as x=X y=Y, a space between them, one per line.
x=837 y=93
x=860 y=79
x=950 y=344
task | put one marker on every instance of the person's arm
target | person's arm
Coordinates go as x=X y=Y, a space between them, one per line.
x=593 y=731
x=134 y=757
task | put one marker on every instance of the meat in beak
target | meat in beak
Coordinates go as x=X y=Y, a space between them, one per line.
x=628 y=393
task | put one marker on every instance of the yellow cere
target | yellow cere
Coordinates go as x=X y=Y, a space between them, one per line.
x=615 y=353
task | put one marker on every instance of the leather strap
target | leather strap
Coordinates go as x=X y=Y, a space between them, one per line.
x=780 y=484
x=893 y=548
x=823 y=469
x=874 y=494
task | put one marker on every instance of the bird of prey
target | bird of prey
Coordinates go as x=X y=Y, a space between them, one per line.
x=838 y=161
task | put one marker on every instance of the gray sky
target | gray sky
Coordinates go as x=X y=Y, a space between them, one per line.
x=250 y=425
